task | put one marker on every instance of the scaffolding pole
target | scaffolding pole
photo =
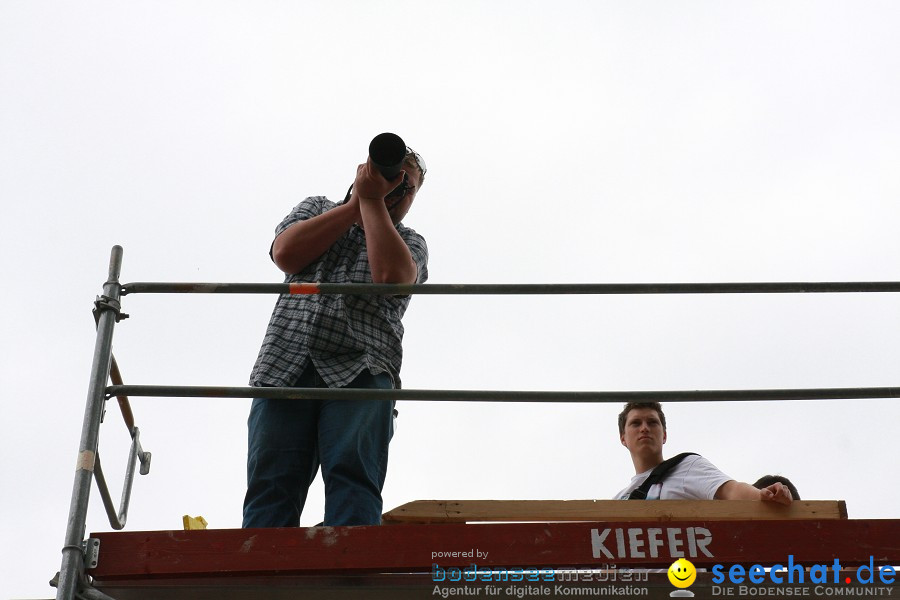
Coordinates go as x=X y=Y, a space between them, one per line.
x=71 y=571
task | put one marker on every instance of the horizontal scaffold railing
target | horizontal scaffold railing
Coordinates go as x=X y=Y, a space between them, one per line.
x=290 y=393
x=787 y=287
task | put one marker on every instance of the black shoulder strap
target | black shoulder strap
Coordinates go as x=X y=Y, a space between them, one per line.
x=658 y=474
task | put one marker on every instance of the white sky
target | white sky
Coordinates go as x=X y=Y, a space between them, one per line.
x=567 y=141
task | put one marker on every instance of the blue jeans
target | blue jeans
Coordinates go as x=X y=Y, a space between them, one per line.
x=290 y=439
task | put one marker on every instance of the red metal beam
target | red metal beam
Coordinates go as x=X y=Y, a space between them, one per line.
x=415 y=548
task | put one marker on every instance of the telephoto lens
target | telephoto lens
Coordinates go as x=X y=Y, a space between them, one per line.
x=387 y=151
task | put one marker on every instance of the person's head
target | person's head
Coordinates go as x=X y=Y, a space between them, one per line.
x=401 y=198
x=767 y=480
x=413 y=160
x=642 y=429
x=623 y=416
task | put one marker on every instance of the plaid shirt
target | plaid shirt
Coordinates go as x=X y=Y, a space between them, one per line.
x=341 y=334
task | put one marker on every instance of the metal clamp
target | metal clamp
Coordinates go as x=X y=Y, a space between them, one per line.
x=106 y=303
x=91 y=549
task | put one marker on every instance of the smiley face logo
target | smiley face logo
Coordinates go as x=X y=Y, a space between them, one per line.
x=682 y=573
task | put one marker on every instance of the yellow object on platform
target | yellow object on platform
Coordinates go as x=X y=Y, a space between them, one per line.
x=190 y=522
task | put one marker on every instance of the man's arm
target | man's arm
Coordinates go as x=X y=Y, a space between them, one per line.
x=305 y=241
x=390 y=260
x=737 y=490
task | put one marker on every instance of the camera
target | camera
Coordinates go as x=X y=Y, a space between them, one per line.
x=387 y=151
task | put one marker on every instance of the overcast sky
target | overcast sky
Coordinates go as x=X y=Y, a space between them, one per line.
x=567 y=141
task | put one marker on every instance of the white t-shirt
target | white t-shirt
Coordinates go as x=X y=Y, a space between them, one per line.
x=694 y=478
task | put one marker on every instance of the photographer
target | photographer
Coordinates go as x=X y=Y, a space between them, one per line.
x=335 y=341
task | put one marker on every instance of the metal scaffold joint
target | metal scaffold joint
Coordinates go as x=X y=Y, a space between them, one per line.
x=103 y=303
x=91 y=549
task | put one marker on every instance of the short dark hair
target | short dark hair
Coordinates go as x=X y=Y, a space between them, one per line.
x=623 y=416
x=767 y=480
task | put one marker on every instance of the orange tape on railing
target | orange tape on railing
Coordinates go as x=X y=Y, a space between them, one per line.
x=303 y=288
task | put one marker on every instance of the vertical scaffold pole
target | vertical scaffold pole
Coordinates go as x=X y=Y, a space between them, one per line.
x=72 y=568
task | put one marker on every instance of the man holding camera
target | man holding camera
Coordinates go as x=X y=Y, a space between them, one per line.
x=334 y=341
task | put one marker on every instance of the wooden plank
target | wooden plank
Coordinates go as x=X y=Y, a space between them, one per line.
x=415 y=548
x=470 y=511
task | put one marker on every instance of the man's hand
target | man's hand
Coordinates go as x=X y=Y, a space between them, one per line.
x=370 y=184
x=777 y=492
x=738 y=490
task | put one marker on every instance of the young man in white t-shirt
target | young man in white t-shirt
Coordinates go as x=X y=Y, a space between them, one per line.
x=642 y=429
